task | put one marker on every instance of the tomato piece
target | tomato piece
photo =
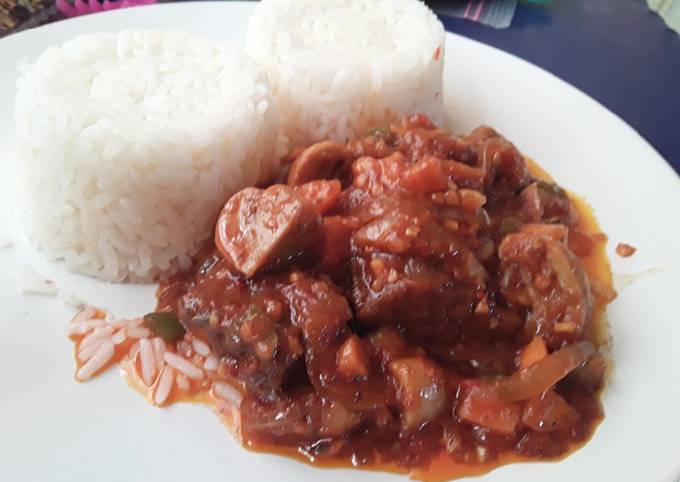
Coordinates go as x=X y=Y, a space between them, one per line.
x=379 y=176
x=580 y=243
x=321 y=193
x=425 y=176
x=482 y=406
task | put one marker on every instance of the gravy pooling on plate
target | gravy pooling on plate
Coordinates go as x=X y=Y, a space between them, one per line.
x=411 y=300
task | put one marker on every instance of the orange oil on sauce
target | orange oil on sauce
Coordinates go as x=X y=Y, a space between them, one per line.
x=443 y=467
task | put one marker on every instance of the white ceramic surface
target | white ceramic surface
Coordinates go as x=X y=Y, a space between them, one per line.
x=53 y=429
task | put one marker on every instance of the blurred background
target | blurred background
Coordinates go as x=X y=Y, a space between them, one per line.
x=623 y=53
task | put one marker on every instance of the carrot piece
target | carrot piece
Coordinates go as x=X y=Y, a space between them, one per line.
x=352 y=360
x=532 y=352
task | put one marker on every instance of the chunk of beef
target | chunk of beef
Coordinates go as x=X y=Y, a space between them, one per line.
x=541 y=273
x=318 y=308
x=408 y=293
x=245 y=325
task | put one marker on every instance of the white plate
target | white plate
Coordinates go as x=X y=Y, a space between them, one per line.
x=53 y=429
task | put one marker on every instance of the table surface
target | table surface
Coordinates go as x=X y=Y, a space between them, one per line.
x=617 y=51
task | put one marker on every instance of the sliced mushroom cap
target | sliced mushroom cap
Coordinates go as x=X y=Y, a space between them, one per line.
x=258 y=228
x=319 y=161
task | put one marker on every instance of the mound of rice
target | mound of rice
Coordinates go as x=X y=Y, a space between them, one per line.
x=130 y=143
x=339 y=67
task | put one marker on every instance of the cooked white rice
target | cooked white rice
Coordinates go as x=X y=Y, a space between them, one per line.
x=31 y=282
x=150 y=361
x=130 y=143
x=338 y=67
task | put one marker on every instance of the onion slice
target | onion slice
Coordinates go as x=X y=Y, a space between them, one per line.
x=544 y=374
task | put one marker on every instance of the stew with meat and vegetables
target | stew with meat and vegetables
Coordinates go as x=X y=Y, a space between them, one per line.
x=407 y=300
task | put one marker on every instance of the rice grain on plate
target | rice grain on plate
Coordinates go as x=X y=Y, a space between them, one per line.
x=129 y=143
x=339 y=67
